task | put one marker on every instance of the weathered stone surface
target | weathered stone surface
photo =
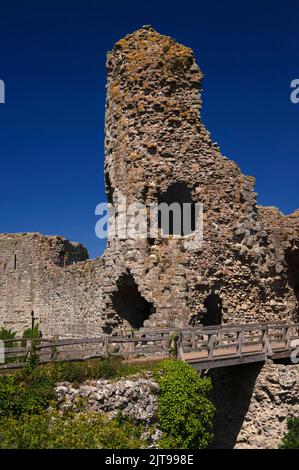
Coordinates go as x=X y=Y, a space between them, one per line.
x=253 y=403
x=135 y=397
x=156 y=145
x=275 y=398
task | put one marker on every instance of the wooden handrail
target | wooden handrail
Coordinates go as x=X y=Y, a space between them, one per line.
x=237 y=341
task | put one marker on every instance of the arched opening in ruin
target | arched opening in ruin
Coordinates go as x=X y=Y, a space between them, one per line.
x=177 y=213
x=129 y=303
x=292 y=260
x=213 y=310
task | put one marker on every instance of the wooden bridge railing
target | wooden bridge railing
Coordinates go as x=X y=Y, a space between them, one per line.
x=203 y=347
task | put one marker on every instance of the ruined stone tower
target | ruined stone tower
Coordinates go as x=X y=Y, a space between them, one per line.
x=158 y=150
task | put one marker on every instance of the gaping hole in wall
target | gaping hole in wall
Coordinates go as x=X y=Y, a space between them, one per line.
x=177 y=213
x=108 y=188
x=213 y=310
x=292 y=260
x=129 y=303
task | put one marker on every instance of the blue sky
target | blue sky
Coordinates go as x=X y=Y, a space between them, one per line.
x=52 y=59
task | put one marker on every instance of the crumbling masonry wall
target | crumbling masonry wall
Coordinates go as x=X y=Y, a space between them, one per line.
x=156 y=143
x=253 y=403
x=154 y=140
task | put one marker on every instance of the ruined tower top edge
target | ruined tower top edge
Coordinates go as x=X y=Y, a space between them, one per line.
x=145 y=52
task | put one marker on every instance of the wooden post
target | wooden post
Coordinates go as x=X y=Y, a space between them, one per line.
x=193 y=341
x=55 y=351
x=179 y=347
x=240 y=339
x=211 y=343
x=165 y=351
x=28 y=349
x=131 y=349
x=267 y=345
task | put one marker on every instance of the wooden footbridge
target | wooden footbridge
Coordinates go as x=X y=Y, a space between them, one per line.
x=202 y=347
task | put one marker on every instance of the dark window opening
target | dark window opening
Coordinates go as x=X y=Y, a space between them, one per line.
x=129 y=303
x=15 y=262
x=213 y=310
x=108 y=188
x=177 y=198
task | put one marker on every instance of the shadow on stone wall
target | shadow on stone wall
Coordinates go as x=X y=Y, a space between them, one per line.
x=129 y=303
x=232 y=392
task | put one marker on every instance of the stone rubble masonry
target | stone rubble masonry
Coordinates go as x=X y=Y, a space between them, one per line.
x=253 y=404
x=155 y=140
x=252 y=407
x=275 y=397
x=135 y=397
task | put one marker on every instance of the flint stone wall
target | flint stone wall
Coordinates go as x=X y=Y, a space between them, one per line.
x=252 y=402
x=135 y=397
x=155 y=140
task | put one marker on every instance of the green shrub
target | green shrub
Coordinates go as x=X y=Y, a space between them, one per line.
x=123 y=369
x=18 y=397
x=291 y=438
x=32 y=358
x=33 y=388
x=7 y=334
x=184 y=410
x=75 y=372
x=31 y=333
x=51 y=430
x=105 y=368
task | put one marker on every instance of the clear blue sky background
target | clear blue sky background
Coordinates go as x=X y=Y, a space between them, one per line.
x=52 y=59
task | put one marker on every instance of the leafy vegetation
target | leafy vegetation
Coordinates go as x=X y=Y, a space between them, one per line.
x=29 y=417
x=30 y=333
x=18 y=397
x=78 y=372
x=51 y=430
x=185 y=412
x=32 y=390
x=7 y=334
x=291 y=438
